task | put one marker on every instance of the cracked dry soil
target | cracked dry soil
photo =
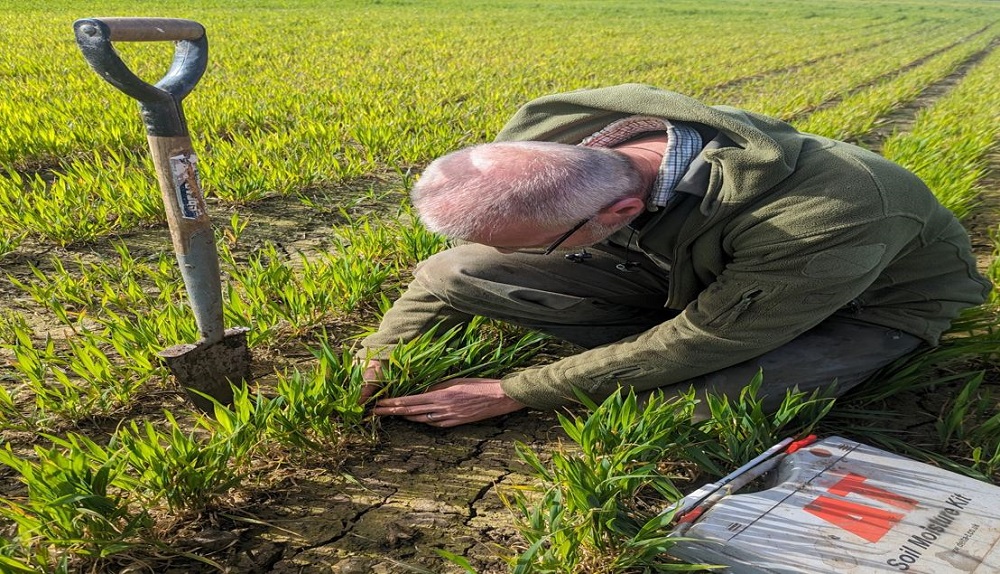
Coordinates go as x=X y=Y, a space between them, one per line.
x=389 y=508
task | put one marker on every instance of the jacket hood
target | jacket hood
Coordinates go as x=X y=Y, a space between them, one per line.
x=767 y=151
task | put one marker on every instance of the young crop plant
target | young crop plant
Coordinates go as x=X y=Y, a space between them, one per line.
x=399 y=240
x=949 y=146
x=601 y=504
x=598 y=507
x=860 y=112
x=115 y=298
x=11 y=562
x=9 y=242
x=88 y=200
x=244 y=423
x=12 y=416
x=798 y=90
x=81 y=378
x=741 y=428
x=41 y=370
x=277 y=294
x=316 y=409
x=75 y=513
x=11 y=323
x=479 y=348
x=967 y=417
x=187 y=471
x=298 y=293
x=415 y=243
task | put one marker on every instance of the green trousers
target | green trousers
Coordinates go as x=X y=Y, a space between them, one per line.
x=612 y=294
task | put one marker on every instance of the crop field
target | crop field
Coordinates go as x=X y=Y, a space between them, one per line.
x=311 y=122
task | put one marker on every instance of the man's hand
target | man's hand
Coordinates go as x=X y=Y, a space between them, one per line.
x=453 y=403
x=373 y=380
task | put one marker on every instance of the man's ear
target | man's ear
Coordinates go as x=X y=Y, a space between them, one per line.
x=621 y=210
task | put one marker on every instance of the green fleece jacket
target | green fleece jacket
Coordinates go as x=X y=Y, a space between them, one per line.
x=793 y=228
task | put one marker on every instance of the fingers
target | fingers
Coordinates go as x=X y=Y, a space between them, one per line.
x=427 y=408
x=368 y=391
x=373 y=371
x=425 y=414
x=373 y=379
x=435 y=420
x=412 y=405
x=456 y=402
x=423 y=399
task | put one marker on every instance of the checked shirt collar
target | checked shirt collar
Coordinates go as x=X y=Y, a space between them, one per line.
x=683 y=145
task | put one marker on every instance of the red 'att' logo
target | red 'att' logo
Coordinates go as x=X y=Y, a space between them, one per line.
x=865 y=521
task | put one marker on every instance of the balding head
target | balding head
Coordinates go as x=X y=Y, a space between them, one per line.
x=469 y=193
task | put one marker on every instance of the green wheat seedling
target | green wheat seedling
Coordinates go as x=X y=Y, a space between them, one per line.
x=13 y=328
x=11 y=562
x=415 y=243
x=81 y=379
x=970 y=425
x=43 y=372
x=985 y=460
x=270 y=291
x=554 y=543
x=244 y=423
x=599 y=505
x=88 y=199
x=138 y=309
x=479 y=348
x=958 y=415
x=803 y=89
x=741 y=427
x=74 y=289
x=949 y=145
x=398 y=241
x=235 y=230
x=185 y=470
x=9 y=242
x=860 y=112
x=317 y=408
x=12 y=415
x=11 y=323
x=73 y=506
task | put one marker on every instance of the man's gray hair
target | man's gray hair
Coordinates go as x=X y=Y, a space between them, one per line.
x=467 y=193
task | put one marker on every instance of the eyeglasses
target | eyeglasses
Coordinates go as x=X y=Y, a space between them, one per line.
x=555 y=244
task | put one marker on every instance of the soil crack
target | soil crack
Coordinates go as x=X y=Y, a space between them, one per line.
x=479 y=448
x=481 y=494
x=351 y=523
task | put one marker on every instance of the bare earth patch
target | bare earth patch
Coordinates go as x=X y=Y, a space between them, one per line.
x=387 y=509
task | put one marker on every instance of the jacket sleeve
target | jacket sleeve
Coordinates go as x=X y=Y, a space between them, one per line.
x=774 y=288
